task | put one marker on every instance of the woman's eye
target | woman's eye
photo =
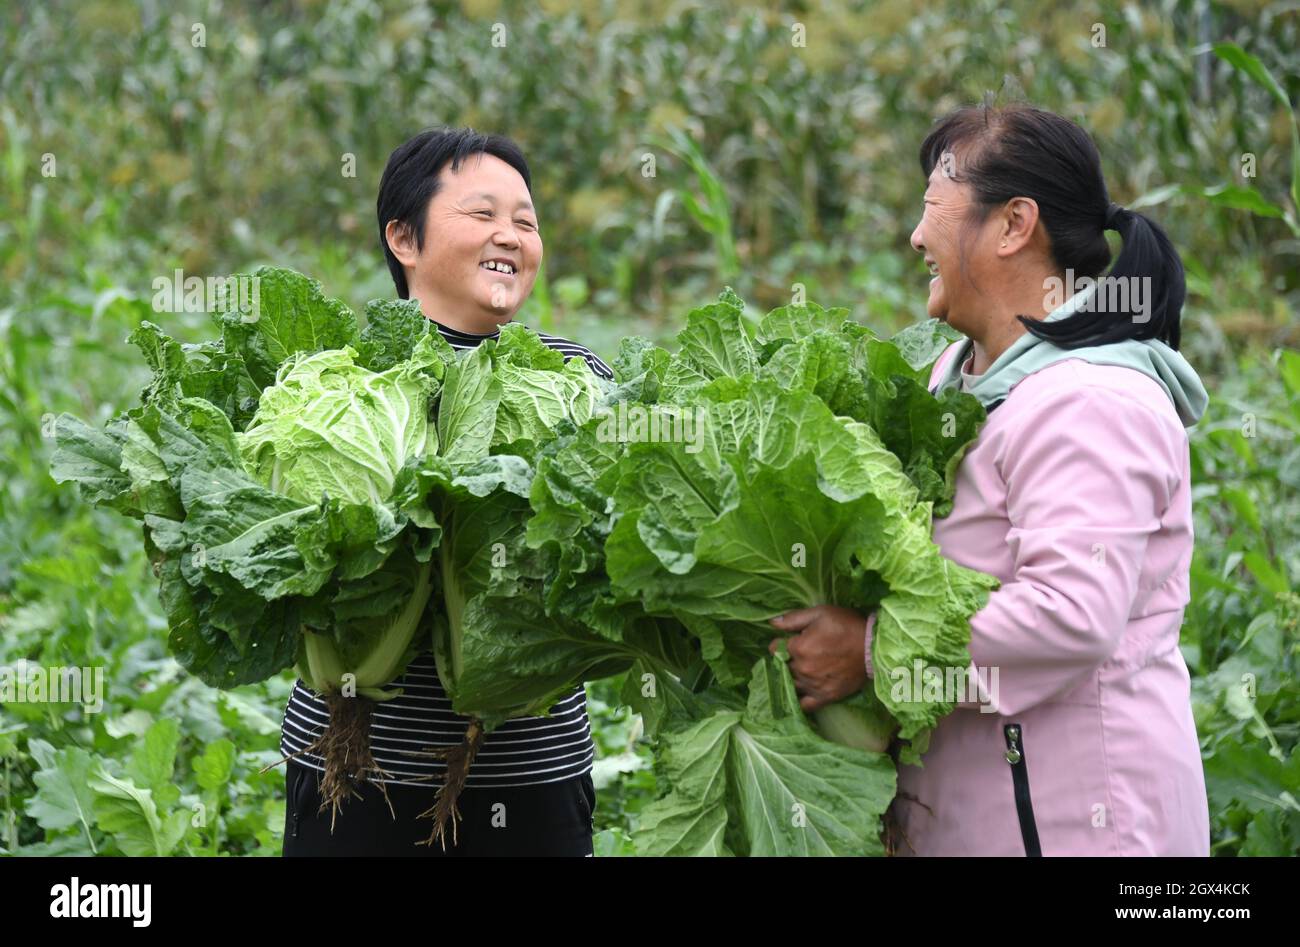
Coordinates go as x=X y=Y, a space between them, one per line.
x=527 y=224
x=483 y=213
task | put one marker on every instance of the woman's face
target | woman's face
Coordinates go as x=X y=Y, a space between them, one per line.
x=960 y=255
x=481 y=249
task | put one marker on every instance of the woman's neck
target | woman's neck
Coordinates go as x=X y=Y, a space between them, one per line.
x=994 y=342
x=453 y=317
x=1027 y=296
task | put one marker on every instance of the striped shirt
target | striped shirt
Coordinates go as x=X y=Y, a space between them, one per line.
x=525 y=751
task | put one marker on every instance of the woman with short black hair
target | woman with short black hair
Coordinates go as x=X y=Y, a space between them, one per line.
x=460 y=234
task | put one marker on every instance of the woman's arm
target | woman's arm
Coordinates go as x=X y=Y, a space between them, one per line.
x=1089 y=474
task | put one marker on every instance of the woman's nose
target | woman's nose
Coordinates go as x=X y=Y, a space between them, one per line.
x=916 y=241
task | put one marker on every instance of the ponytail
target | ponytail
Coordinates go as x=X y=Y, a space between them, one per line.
x=1147 y=301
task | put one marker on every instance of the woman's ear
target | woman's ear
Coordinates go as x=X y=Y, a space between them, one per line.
x=1019 y=222
x=401 y=241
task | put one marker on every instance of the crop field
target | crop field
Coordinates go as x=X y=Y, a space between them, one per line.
x=726 y=194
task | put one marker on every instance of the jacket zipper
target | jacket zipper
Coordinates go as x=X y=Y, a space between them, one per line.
x=1015 y=755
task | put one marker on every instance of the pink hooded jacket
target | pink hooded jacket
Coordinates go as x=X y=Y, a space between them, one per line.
x=1076 y=496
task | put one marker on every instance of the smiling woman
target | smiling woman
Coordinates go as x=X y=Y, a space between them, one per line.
x=1076 y=496
x=459 y=231
x=464 y=241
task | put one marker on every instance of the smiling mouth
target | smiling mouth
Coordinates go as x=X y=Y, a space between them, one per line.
x=499 y=267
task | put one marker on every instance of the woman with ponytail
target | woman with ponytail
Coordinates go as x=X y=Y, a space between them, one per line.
x=1077 y=496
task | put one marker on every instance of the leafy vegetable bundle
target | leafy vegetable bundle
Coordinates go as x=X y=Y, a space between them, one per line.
x=319 y=496
x=803 y=463
x=305 y=488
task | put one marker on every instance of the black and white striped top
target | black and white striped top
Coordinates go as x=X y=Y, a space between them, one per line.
x=521 y=752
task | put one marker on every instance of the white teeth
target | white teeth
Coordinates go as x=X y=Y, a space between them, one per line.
x=499 y=267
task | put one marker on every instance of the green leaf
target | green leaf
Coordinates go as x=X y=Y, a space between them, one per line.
x=516 y=661
x=795 y=322
x=63 y=797
x=714 y=343
x=393 y=328
x=1273 y=834
x=154 y=759
x=468 y=407
x=1244 y=506
x=1243 y=61
x=1247 y=775
x=213 y=769
x=921 y=344
x=130 y=815
x=93 y=458
x=638 y=356
x=797 y=793
x=762 y=782
x=820 y=364
x=292 y=315
x=1289 y=369
x=665 y=703
x=928 y=434
x=519 y=346
x=240 y=713
x=1264 y=571
x=612 y=843
x=164 y=355
x=1156 y=196
x=1238 y=197
x=692 y=818
x=925 y=618
x=533 y=402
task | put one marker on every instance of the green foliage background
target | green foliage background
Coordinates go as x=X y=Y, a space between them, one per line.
x=127 y=151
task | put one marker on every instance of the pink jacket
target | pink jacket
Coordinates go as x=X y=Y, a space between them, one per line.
x=1076 y=496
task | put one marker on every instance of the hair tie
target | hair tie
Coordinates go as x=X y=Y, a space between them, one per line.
x=1114 y=214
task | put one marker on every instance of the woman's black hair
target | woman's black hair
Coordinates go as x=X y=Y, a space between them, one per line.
x=411 y=179
x=1018 y=150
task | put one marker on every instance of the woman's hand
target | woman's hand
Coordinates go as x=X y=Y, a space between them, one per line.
x=827 y=651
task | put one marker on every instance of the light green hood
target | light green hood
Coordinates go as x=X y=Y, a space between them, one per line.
x=1029 y=354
